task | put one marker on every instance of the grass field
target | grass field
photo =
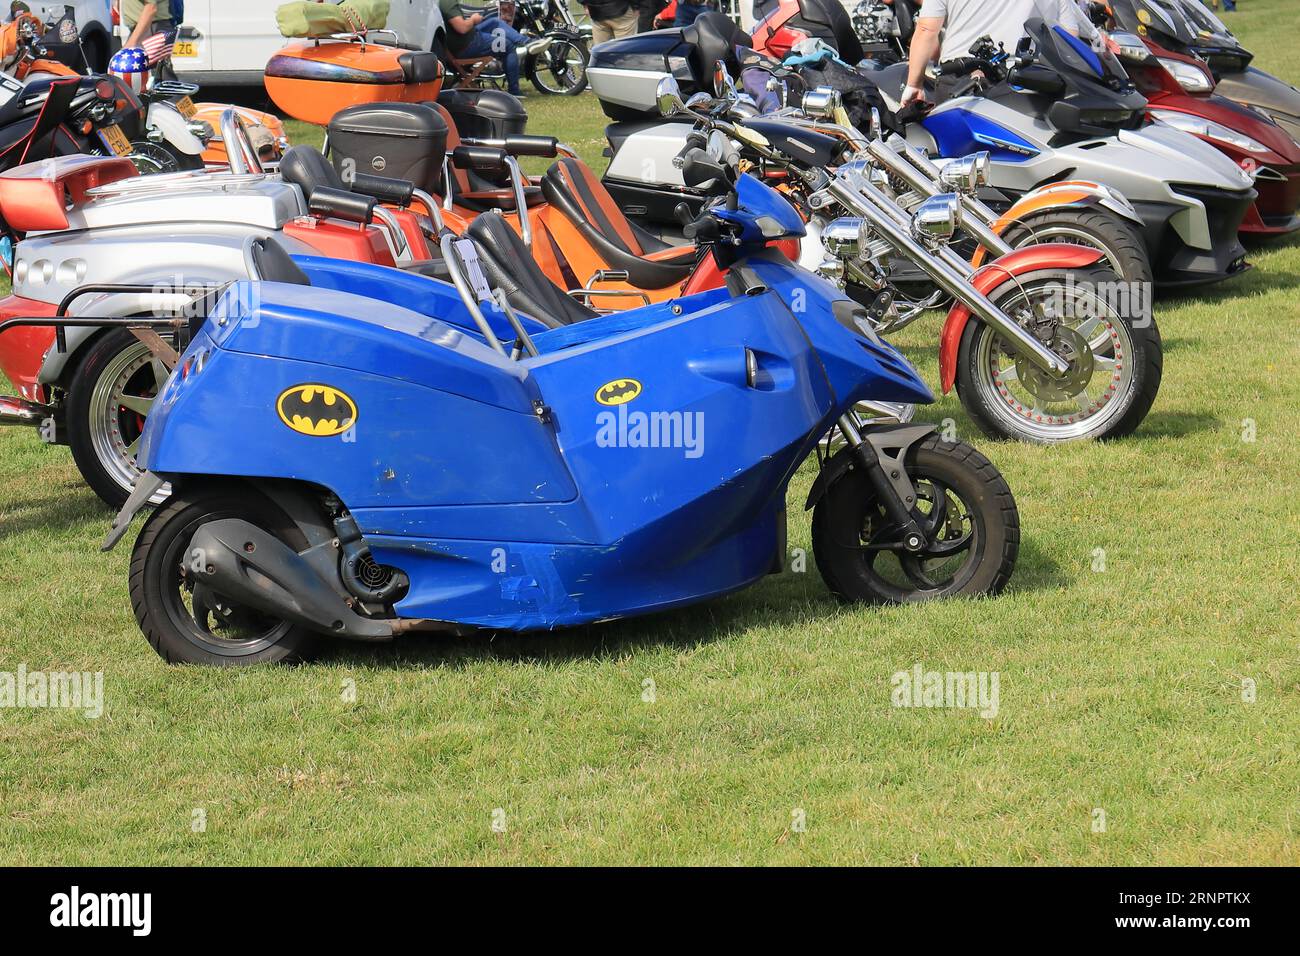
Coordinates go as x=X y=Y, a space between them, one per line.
x=1158 y=577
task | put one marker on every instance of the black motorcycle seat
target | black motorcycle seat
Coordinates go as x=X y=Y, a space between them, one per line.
x=572 y=188
x=712 y=37
x=510 y=266
x=274 y=264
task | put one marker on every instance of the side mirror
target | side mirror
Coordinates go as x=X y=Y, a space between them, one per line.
x=669 y=96
x=724 y=88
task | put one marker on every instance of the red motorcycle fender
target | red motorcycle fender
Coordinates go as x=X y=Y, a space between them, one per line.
x=1049 y=255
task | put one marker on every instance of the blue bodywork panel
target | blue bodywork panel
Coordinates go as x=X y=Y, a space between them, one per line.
x=960 y=132
x=639 y=462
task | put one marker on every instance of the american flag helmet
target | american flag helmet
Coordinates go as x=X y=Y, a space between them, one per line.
x=131 y=65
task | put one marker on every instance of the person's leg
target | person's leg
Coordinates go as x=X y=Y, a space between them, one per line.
x=626 y=25
x=601 y=30
x=688 y=13
x=504 y=41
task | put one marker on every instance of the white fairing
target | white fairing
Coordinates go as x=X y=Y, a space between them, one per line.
x=175 y=128
x=647 y=157
x=635 y=89
x=1139 y=164
x=183 y=229
x=263 y=202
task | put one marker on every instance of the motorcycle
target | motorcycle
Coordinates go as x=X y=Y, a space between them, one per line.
x=647 y=186
x=308 y=503
x=1051 y=356
x=1060 y=109
x=151 y=126
x=1251 y=140
x=1187 y=28
x=559 y=68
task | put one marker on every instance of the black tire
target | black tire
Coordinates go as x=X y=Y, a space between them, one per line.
x=534 y=66
x=98 y=435
x=157 y=583
x=1120 y=408
x=1125 y=249
x=844 y=515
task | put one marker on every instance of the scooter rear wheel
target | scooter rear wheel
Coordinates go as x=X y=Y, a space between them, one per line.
x=964 y=503
x=185 y=623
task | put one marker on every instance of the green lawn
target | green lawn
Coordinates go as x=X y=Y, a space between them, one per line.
x=1121 y=690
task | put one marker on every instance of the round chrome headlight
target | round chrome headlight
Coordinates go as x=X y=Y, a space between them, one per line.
x=844 y=237
x=967 y=174
x=819 y=103
x=936 y=219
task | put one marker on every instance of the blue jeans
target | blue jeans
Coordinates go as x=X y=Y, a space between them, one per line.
x=495 y=36
x=688 y=12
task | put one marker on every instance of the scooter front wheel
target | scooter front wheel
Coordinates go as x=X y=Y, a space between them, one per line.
x=964 y=505
x=187 y=623
x=1113 y=347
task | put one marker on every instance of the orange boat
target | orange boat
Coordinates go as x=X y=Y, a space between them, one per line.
x=312 y=80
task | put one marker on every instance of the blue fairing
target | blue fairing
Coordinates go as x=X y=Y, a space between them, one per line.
x=959 y=132
x=763 y=214
x=655 y=474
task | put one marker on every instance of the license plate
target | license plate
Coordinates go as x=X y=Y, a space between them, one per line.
x=115 y=140
x=186 y=107
x=185 y=48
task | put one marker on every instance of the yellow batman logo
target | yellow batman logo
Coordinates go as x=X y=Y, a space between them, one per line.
x=316 y=410
x=618 y=392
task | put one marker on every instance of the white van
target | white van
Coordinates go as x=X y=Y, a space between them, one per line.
x=229 y=41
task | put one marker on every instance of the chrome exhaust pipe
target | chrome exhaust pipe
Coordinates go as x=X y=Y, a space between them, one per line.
x=19 y=411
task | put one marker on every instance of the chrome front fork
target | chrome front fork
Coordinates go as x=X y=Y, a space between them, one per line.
x=952 y=277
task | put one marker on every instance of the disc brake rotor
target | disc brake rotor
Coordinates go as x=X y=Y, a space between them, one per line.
x=1073 y=347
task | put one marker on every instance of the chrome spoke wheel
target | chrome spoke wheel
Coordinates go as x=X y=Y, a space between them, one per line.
x=1082 y=328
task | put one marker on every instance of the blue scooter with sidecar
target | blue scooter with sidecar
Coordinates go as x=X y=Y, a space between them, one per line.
x=345 y=465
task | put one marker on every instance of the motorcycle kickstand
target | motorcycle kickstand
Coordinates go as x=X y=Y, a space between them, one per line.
x=913 y=538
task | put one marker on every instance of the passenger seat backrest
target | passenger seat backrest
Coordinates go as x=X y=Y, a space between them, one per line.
x=570 y=181
x=307 y=168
